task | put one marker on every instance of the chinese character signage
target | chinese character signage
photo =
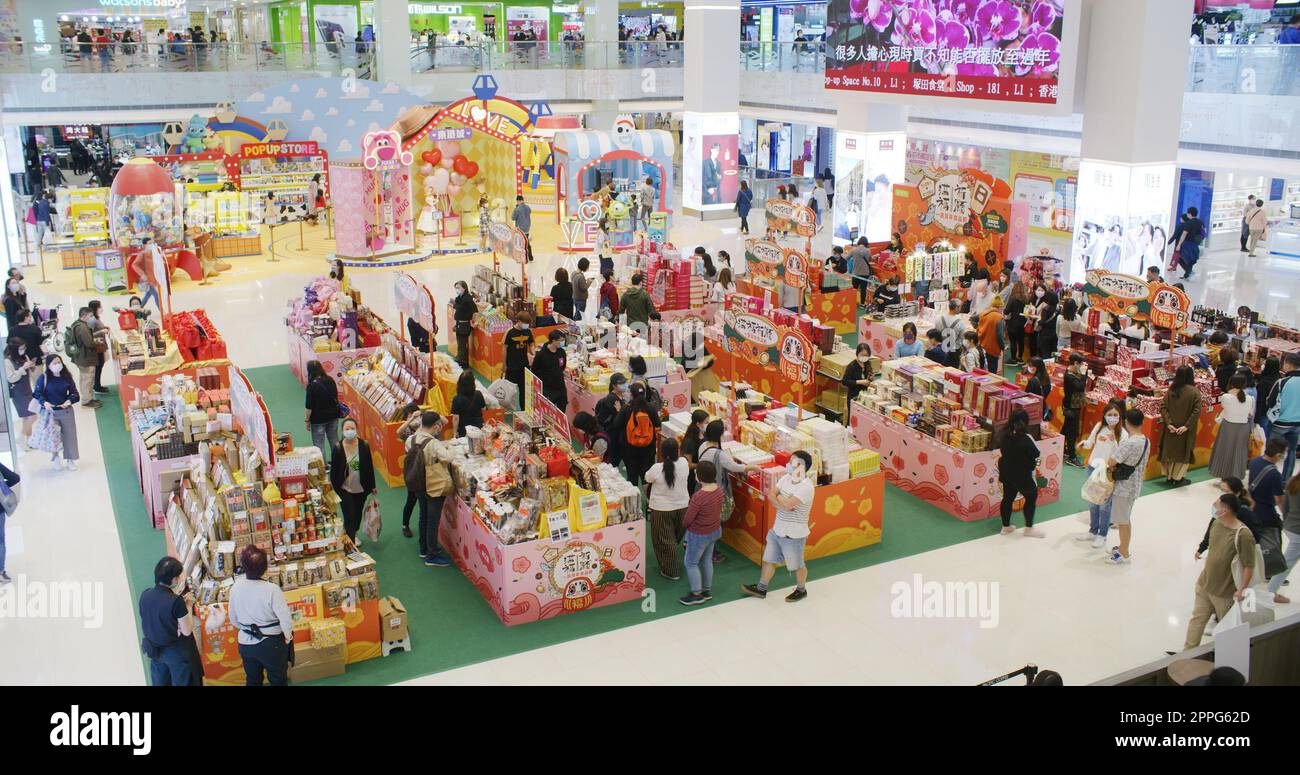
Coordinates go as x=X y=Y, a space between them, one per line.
x=508 y=241
x=1001 y=50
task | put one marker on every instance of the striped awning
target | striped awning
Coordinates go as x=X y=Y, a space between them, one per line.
x=593 y=144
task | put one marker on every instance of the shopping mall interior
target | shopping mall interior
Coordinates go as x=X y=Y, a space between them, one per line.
x=528 y=342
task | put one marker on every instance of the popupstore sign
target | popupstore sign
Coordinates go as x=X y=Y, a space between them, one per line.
x=1007 y=51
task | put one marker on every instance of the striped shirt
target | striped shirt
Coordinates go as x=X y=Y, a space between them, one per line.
x=793 y=523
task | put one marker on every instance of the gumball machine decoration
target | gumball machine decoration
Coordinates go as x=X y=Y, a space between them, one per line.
x=143 y=203
x=444 y=172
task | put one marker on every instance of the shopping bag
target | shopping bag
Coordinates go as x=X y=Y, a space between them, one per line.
x=1238 y=568
x=371 y=522
x=1098 y=487
x=1257 y=616
x=504 y=391
x=1256 y=442
x=47 y=434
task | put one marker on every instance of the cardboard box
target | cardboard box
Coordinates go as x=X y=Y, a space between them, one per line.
x=392 y=619
x=311 y=664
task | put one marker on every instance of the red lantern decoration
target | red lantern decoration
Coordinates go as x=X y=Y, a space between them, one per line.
x=433 y=156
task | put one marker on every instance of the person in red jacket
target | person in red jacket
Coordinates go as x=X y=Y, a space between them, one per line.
x=609 y=294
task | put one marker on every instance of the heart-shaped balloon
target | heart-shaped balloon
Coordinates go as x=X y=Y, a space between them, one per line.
x=447 y=163
x=453 y=189
x=471 y=169
x=432 y=156
x=460 y=164
x=449 y=148
x=427 y=169
x=441 y=178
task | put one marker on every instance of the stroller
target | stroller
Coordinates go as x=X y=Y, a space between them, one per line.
x=48 y=321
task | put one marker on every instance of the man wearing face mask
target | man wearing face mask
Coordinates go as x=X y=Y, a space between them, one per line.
x=793 y=497
x=518 y=343
x=548 y=366
x=167 y=624
x=608 y=409
x=463 y=310
x=887 y=295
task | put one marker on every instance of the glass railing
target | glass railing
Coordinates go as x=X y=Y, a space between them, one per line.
x=542 y=55
x=1266 y=69
x=783 y=57
x=188 y=57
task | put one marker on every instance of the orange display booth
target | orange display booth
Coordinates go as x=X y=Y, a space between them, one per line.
x=969 y=209
x=845 y=516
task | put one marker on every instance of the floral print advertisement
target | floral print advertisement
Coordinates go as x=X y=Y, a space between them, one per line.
x=1005 y=50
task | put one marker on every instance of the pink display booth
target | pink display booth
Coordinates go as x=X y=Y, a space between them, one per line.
x=377 y=219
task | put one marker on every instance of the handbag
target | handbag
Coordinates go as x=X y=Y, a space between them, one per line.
x=1256 y=578
x=8 y=498
x=1098 y=487
x=344 y=410
x=1270 y=547
x=371 y=522
x=47 y=434
x=1123 y=471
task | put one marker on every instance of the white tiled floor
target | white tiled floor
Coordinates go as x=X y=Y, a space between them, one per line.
x=1061 y=606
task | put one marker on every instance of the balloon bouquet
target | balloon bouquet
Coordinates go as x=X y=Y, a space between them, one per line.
x=445 y=171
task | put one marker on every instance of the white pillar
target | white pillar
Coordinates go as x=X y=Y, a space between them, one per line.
x=1133 y=103
x=711 y=119
x=392 y=36
x=600 y=32
x=870 y=157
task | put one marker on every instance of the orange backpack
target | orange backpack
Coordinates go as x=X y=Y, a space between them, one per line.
x=640 y=430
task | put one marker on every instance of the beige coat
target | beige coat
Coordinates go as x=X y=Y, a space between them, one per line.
x=1177 y=410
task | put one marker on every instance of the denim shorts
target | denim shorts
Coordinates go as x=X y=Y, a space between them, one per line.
x=781 y=549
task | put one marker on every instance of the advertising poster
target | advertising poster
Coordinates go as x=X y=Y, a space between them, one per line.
x=335 y=24
x=1121 y=218
x=527 y=20
x=710 y=174
x=997 y=50
x=1049 y=183
x=867 y=166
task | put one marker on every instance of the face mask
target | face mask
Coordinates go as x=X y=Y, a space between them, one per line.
x=1112 y=420
x=624 y=391
x=13 y=286
x=1039 y=294
x=795 y=470
x=863 y=358
x=350 y=434
x=56 y=368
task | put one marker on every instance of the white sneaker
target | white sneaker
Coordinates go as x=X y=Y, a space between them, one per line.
x=72 y=465
x=1098 y=542
x=1085 y=536
x=1008 y=530
x=1033 y=532
x=1116 y=558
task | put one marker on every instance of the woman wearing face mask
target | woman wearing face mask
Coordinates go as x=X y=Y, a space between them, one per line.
x=1016 y=473
x=909 y=345
x=887 y=294
x=1046 y=325
x=167 y=624
x=463 y=311
x=15 y=299
x=99 y=330
x=691 y=441
x=668 y=501
x=20 y=369
x=1105 y=437
x=352 y=473
x=858 y=375
x=1231 y=450
x=1216 y=589
x=1039 y=383
x=410 y=424
x=1033 y=325
x=322 y=407
x=548 y=366
x=56 y=391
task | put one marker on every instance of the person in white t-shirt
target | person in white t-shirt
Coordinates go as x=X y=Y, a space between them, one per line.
x=793 y=497
x=669 y=498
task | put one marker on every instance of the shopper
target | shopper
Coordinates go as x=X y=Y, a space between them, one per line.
x=744 y=202
x=314 y=193
x=971 y=356
x=724 y=287
x=646 y=200
x=909 y=345
x=1016 y=472
x=593 y=439
x=601 y=247
x=15 y=301
x=463 y=311
x=1283 y=407
x=30 y=333
x=703 y=528
x=953 y=325
x=1291 y=530
x=322 y=407
x=1072 y=403
x=425 y=473
x=142 y=264
x=562 y=294
x=1127 y=467
x=352 y=474
x=638 y=429
x=935 y=351
x=548 y=366
x=668 y=499
x=420 y=339
x=1103 y=441
x=1189 y=237
x=1046 y=325
x=1267 y=488
x=1216 y=590
x=518 y=344
x=1232 y=443
x=1038 y=382
x=608 y=409
x=410 y=424
x=258 y=610
x=166 y=624
x=1245 y=225
x=468 y=404
x=522 y=218
x=1268 y=377
x=1257 y=224
x=712 y=451
x=793 y=497
x=858 y=374
x=581 y=288
x=992 y=331
x=99 y=329
x=19 y=368
x=85 y=355
x=1226 y=368
x=58 y=395
x=1180 y=412
x=637 y=305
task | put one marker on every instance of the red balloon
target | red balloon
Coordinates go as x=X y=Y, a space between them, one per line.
x=471 y=169
x=433 y=156
x=460 y=164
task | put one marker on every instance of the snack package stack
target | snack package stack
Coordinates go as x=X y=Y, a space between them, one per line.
x=328 y=632
x=863 y=461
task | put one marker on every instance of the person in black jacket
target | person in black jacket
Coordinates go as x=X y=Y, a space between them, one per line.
x=1045 y=326
x=548 y=366
x=858 y=375
x=1016 y=469
x=11 y=481
x=419 y=335
x=1075 y=396
x=1040 y=384
x=562 y=294
x=608 y=409
x=463 y=311
x=322 y=415
x=887 y=294
x=468 y=404
x=1227 y=367
x=352 y=473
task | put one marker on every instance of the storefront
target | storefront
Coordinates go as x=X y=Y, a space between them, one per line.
x=783 y=22
x=643 y=20
x=1223 y=196
x=783 y=149
x=321 y=21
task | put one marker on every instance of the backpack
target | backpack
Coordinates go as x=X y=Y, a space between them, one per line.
x=640 y=430
x=1273 y=403
x=413 y=468
x=70 y=345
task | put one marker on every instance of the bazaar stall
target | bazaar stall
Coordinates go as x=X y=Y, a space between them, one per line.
x=499 y=299
x=937 y=428
x=329 y=325
x=187 y=345
x=382 y=223
x=377 y=387
x=827 y=296
x=212 y=202
x=539 y=533
x=968 y=207
x=601 y=350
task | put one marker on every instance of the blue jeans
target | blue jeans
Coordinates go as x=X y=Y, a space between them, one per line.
x=1099 y=516
x=1290 y=433
x=149 y=290
x=323 y=432
x=699 y=559
x=1291 y=553
x=579 y=307
x=3 y=516
x=172 y=667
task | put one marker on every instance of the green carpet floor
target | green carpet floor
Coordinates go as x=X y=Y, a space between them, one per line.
x=451 y=625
